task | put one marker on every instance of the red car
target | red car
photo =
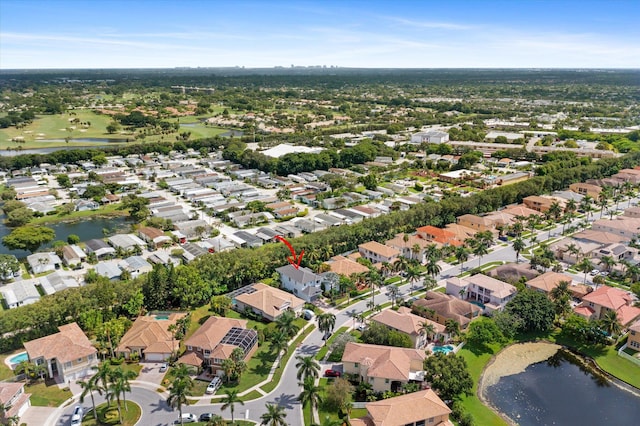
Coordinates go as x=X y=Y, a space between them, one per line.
x=332 y=373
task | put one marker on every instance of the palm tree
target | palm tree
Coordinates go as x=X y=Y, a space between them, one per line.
x=393 y=293
x=274 y=416
x=518 y=246
x=88 y=387
x=554 y=213
x=27 y=368
x=124 y=377
x=230 y=400
x=307 y=367
x=451 y=327
x=585 y=266
x=310 y=394
x=611 y=323
x=479 y=249
x=429 y=283
x=427 y=329
x=561 y=295
x=609 y=262
x=116 y=387
x=413 y=275
x=278 y=342
x=585 y=204
x=603 y=200
x=433 y=268
x=285 y=323
x=104 y=371
x=599 y=280
x=178 y=392
x=326 y=323
x=462 y=254
x=416 y=251
x=217 y=420
x=574 y=250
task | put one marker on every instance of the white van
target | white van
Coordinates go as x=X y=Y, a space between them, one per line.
x=76 y=417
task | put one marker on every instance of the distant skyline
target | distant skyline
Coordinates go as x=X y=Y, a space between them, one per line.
x=369 y=34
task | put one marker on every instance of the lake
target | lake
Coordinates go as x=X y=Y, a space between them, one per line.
x=85 y=229
x=562 y=391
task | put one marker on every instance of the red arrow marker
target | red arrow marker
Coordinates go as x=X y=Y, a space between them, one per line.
x=295 y=260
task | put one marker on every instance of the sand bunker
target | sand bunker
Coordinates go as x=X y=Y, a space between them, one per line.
x=515 y=359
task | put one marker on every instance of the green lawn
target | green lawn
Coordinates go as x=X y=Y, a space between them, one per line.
x=108 y=210
x=47 y=396
x=5 y=371
x=131 y=413
x=323 y=351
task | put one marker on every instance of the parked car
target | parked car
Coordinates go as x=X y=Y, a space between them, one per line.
x=604 y=273
x=308 y=314
x=205 y=417
x=76 y=417
x=214 y=385
x=361 y=327
x=595 y=272
x=164 y=367
x=187 y=418
x=332 y=373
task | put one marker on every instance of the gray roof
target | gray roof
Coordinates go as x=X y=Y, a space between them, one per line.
x=136 y=262
x=108 y=269
x=249 y=238
x=19 y=291
x=56 y=281
x=95 y=245
x=300 y=275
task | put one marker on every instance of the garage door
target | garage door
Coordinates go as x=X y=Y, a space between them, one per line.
x=156 y=357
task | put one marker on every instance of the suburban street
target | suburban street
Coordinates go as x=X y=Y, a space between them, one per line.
x=154 y=406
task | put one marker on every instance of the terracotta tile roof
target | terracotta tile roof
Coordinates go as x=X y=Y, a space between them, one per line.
x=520 y=210
x=399 y=243
x=403 y=320
x=269 y=299
x=601 y=237
x=151 y=334
x=626 y=314
x=69 y=344
x=585 y=311
x=347 y=267
x=439 y=235
x=191 y=358
x=209 y=335
x=7 y=392
x=461 y=232
x=150 y=232
x=407 y=409
x=471 y=218
x=449 y=307
x=379 y=249
x=635 y=326
x=609 y=297
x=385 y=361
x=548 y=281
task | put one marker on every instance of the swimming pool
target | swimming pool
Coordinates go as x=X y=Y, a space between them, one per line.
x=162 y=317
x=442 y=349
x=18 y=358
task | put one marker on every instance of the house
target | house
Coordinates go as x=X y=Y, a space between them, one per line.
x=597 y=303
x=10 y=268
x=19 y=293
x=513 y=272
x=407 y=244
x=149 y=337
x=300 y=281
x=441 y=307
x=477 y=223
x=68 y=354
x=538 y=203
x=520 y=210
x=13 y=400
x=628 y=227
x=586 y=189
x=546 y=282
x=101 y=249
x=409 y=324
x=193 y=228
x=43 y=262
x=633 y=340
x=126 y=242
x=438 y=235
x=430 y=136
x=345 y=267
x=412 y=409
x=385 y=368
x=73 y=255
x=192 y=251
x=136 y=265
x=266 y=301
x=57 y=281
x=154 y=236
x=109 y=269
x=490 y=293
x=215 y=340
x=461 y=232
x=378 y=253
x=86 y=205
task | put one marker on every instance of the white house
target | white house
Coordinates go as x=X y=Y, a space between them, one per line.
x=491 y=294
x=301 y=281
x=19 y=293
x=44 y=262
x=431 y=136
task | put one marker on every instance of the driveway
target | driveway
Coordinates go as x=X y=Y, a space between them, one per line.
x=36 y=415
x=151 y=372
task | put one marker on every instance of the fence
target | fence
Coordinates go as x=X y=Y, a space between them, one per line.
x=623 y=354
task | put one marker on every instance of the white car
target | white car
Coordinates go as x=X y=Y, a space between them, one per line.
x=187 y=418
x=76 y=417
x=594 y=272
x=214 y=385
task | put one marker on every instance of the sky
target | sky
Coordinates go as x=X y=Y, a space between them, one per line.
x=345 y=33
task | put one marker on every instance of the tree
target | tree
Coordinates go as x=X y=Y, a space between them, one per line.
x=104 y=371
x=393 y=294
x=611 y=323
x=452 y=327
x=220 y=305
x=307 y=367
x=275 y=416
x=19 y=217
x=112 y=127
x=326 y=323
x=508 y=323
x=28 y=238
x=462 y=254
x=189 y=289
x=27 y=368
x=518 y=246
x=427 y=329
x=534 y=308
x=448 y=375
x=9 y=265
x=285 y=323
x=230 y=400
x=137 y=207
x=310 y=394
x=338 y=395
x=178 y=392
x=585 y=266
x=561 y=296
x=433 y=268
x=482 y=333
x=278 y=341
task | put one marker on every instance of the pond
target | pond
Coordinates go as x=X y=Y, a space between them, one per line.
x=14 y=152
x=562 y=390
x=85 y=229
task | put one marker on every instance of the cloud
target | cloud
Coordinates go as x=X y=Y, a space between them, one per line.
x=432 y=24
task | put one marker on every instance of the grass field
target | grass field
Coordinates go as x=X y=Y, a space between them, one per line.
x=43 y=395
x=109 y=210
x=131 y=413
